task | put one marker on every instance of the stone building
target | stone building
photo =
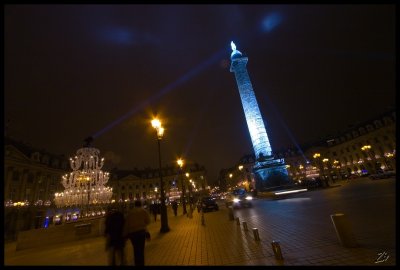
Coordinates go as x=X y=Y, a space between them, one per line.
x=31 y=177
x=363 y=148
x=144 y=184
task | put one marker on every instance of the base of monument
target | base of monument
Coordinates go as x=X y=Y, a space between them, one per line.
x=272 y=175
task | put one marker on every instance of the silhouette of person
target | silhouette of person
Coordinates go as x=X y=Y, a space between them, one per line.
x=175 y=207
x=115 y=242
x=135 y=229
x=154 y=211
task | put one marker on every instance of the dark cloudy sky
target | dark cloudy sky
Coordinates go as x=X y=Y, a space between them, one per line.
x=72 y=71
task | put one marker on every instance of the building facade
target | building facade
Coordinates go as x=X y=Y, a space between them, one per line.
x=363 y=149
x=33 y=176
x=129 y=185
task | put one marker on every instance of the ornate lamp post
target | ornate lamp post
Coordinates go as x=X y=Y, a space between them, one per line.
x=301 y=167
x=180 y=164
x=244 y=181
x=230 y=180
x=190 y=197
x=317 y=156
x=389 y=158
x=325 y=160
x=336 y=165
x=367 y=149
x=156 y=194
x=164 y=218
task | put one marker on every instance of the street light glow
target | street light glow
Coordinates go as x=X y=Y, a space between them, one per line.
x=180 y=162
x=155 y=123
x=164 y=216
x=160 y=131
x=366 y=147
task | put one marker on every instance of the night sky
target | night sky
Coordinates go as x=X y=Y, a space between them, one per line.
x=73 y=71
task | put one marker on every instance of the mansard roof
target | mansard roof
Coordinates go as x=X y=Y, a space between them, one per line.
x=26 y=149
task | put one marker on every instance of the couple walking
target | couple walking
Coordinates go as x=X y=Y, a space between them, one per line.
x=119 y=228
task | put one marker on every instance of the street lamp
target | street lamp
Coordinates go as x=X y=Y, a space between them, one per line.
x=164 y=218
x=190 y=196
x=388 y=160
x=155 y=194
x=367 y=149
x=180 y=164
x=336 y=165
x=301 y=171
x=317 y=156
x=244 y=179
x=326 y=160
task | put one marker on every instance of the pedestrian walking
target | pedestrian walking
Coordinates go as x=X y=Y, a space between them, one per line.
x=175 y=207
x=135 y=230
x=115 y=242
x=154 y=211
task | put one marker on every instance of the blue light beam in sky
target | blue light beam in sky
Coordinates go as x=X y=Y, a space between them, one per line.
x=283 y=124
x=270 y=22
x=215 y=57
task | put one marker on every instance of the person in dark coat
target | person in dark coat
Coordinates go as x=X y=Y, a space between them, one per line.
x=115 y=242
x=154 y=211
x=175 y=207
x=135 y=230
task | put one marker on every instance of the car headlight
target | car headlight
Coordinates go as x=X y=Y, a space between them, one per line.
x=236 y=200
x=249 y=198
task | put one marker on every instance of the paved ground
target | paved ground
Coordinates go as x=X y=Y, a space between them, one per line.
x=222 y=241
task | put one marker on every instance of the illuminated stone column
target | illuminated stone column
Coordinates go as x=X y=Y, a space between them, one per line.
x=269 y=172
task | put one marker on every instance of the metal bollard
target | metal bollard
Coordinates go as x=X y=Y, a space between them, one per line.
x=276 y=248
x=343 y=230
x=244 y=225
x=230 y=214
x=237 y=221
x=256 y=235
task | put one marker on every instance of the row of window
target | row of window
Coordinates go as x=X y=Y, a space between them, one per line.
x=137 y=186
x=357 y=147
x=16 y=176
x=362 y=131
x=46 y=160
x=168 y=172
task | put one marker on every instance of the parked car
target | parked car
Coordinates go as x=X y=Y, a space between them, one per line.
x=239 y=198
x=353 y=176
x=207 y=204
x=382 y=175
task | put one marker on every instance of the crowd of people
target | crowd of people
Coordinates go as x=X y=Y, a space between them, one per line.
x=120 y=227
x=123 y=225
